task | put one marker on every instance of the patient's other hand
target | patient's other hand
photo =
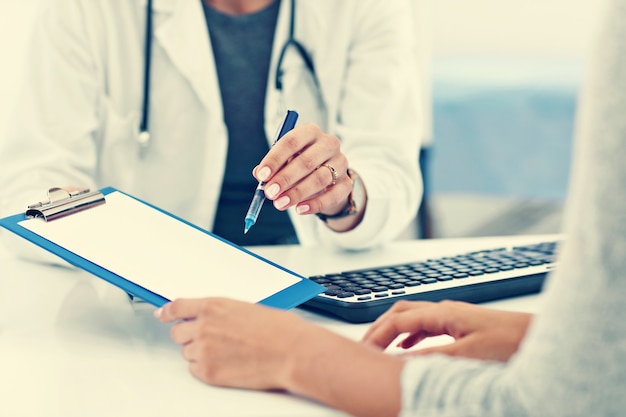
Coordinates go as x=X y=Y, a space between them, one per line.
x=479 y=332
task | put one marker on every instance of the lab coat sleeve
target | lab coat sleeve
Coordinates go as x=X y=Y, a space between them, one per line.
x=51 y=136
x=379 y=120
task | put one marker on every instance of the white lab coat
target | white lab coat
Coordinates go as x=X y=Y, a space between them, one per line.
x=77 y=116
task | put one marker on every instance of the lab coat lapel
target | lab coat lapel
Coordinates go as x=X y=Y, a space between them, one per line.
x=184 y=37
x=300 y=91
x=274 y=110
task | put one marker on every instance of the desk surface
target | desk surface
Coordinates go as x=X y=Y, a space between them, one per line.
x=73 y=345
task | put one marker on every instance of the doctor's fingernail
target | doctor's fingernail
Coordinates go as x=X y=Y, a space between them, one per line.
x=282 y=202
x=272 y=190
x=157 y=312
x=264 y=173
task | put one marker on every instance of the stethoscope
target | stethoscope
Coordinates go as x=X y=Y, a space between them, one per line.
x=143 y=137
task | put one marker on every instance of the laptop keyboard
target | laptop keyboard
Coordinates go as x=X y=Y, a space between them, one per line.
x=360 y=296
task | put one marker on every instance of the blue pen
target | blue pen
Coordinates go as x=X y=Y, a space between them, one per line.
x=259 y=194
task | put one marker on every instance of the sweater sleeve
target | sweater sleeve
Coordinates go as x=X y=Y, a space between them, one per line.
x=573 y=359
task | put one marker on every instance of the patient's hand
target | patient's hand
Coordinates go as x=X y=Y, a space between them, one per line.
x=237 y=344
x=479 y=332
x=233 y=343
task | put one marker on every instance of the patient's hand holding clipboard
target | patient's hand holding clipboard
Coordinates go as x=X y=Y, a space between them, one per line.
x=152 y=254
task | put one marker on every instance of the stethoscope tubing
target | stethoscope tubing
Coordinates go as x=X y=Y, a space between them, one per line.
x=144 y=128
x=147 y=63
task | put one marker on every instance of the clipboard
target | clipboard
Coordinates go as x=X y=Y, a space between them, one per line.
x=152 y=254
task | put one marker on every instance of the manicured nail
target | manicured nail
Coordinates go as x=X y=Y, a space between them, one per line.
x=282 y=202
x=272 y=191
x=302 y=209
x=264 y=173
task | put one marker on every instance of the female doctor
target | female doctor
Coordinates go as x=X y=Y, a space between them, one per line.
x=177 y=102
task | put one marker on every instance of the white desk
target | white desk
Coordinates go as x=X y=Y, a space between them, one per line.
x=72 y=345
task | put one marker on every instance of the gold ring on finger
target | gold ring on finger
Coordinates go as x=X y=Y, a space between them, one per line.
x=333 y=172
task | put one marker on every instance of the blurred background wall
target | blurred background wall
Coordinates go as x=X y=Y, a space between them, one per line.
x=505 y=76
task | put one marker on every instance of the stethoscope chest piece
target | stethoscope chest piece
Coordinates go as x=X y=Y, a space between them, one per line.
x=143 y=140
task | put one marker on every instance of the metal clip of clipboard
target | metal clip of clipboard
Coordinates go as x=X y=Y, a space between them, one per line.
x=62 y=203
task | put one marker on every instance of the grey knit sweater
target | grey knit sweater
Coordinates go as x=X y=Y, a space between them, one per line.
x=573 y=360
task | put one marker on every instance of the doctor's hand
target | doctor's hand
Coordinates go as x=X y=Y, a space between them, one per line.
x=479 y=332
x=307 y=169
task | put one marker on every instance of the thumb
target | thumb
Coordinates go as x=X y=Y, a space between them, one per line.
x=179 y=309
x=466 y=346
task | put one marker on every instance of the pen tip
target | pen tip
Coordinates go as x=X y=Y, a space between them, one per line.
x=248 y=225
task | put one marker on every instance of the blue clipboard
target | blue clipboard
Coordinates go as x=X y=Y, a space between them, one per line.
x=62 y=204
